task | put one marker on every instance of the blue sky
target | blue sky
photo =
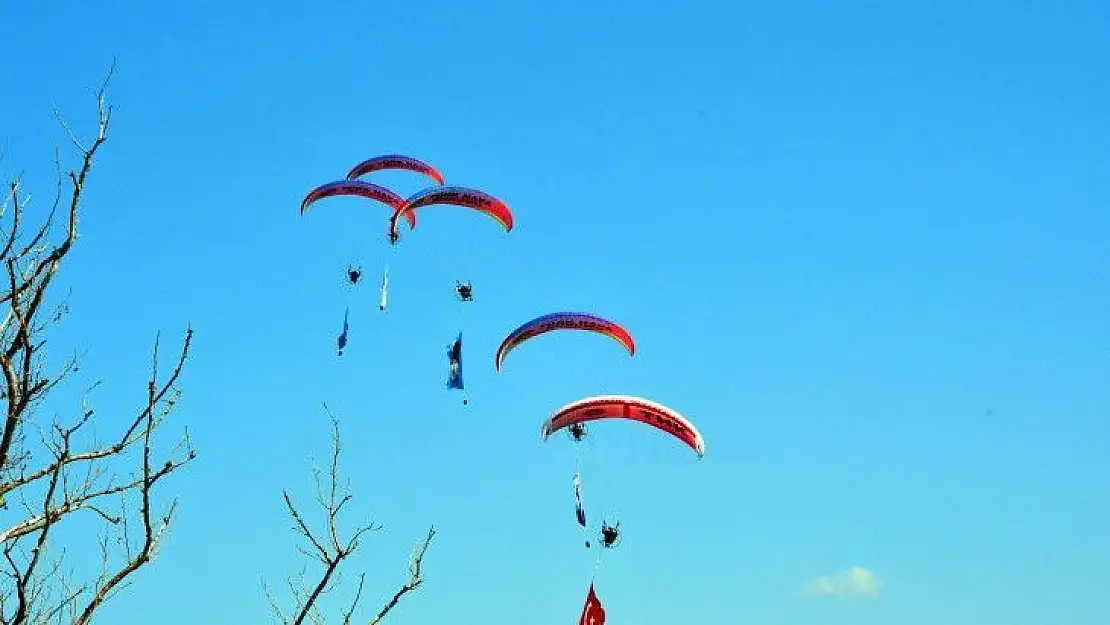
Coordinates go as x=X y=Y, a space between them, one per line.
x=863 y=246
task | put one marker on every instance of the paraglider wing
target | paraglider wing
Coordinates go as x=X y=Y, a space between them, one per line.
x=359 y=188
x=563 y=321
x=458 y=196
x=395 y=161
x=626 y=407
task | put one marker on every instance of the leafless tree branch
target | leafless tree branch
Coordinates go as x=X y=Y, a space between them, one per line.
x=416 y=577
x=67 y=481
x=329 y=549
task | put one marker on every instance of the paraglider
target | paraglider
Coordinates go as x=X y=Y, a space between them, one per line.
x=464 y=291
x=575 y=415
x=563 y=321
x=395 y=161
x=636 y=409
x=610 y=534
x=456 y=196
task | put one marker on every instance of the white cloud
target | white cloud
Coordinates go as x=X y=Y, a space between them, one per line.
x=854 y=582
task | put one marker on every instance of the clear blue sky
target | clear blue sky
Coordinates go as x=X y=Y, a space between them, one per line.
x=863 y=247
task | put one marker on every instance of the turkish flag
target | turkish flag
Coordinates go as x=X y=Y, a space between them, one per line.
x=592 y=612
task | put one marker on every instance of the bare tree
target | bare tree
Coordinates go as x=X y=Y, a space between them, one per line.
x=66 y=486
x=329 y=549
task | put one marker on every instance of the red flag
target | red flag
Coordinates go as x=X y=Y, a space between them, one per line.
x=592 y=612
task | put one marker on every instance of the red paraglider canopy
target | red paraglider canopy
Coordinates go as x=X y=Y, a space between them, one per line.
x=626 y=407
x=395 y=161
x=359 y=188
x=458 y=196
